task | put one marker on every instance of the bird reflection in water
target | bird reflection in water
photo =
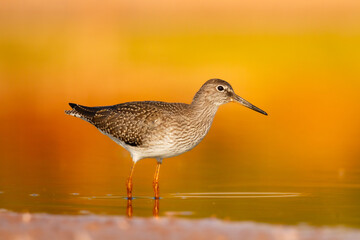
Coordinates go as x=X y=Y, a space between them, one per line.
x=129 y=208
x=156 y=208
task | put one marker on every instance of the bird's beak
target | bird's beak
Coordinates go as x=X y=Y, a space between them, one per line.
x=245 y=103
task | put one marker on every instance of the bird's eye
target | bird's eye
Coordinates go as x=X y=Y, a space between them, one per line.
x=220 y=88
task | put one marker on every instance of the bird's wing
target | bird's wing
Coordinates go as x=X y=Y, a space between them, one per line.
x=128 y=122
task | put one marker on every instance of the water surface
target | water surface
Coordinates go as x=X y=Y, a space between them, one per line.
x=235 y=192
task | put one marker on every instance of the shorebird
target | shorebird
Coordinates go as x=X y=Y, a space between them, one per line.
x=152 y=129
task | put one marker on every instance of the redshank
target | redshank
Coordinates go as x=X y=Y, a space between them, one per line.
x=152 y=129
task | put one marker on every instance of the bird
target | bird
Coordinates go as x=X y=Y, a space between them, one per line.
x=154 y=129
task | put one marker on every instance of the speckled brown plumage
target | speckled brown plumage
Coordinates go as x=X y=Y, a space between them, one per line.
x=160 y=130
x=132 y=122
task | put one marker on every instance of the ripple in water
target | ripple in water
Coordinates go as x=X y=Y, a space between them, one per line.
x=236 y=195
x=210 y=195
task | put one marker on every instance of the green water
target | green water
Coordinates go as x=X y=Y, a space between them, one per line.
x=233 y=190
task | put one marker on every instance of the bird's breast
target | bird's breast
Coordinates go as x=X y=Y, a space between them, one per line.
x=174 y=135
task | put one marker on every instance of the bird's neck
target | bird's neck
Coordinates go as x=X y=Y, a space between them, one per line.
x=203 y=109
x=201 y=116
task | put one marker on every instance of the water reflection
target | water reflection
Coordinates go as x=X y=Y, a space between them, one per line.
x=288 y=205
x=204 y=195
x=129 y=207
x=156 y=207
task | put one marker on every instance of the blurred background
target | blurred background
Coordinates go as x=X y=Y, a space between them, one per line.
x=297 y=60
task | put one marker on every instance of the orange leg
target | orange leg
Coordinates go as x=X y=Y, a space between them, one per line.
x=129 y=183
x=156 y=180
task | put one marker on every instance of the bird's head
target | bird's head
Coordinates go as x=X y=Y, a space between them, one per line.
x=218 y=92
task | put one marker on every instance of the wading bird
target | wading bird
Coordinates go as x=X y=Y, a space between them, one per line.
x=159 y=130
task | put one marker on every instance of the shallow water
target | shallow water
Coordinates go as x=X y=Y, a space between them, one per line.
x=286 y=195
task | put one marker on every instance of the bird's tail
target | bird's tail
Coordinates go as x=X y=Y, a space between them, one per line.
x=83 y=112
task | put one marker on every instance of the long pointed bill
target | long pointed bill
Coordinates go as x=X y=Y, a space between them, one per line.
x=245 y=103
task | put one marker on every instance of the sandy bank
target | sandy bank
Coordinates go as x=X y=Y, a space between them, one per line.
x=51 y=227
